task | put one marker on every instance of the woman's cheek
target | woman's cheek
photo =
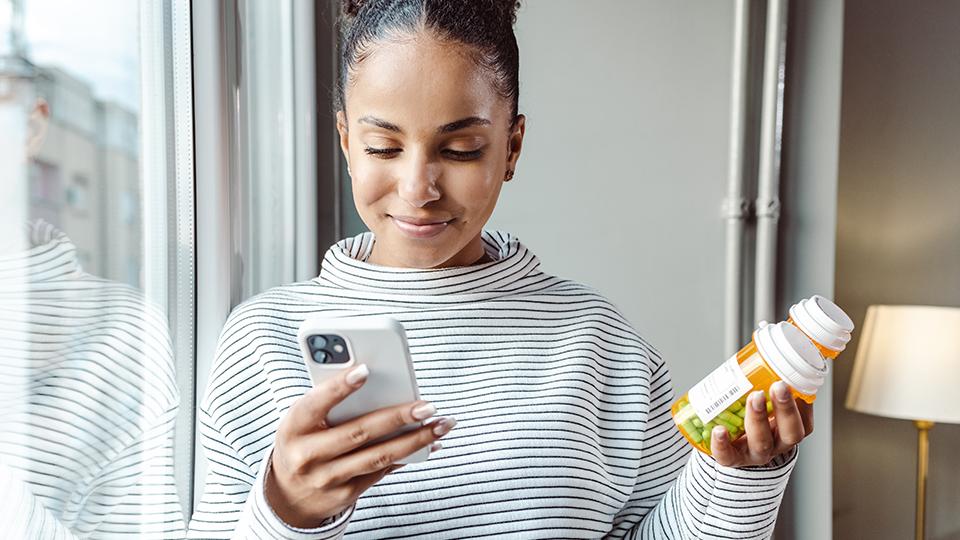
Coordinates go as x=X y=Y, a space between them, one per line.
x=370 y=184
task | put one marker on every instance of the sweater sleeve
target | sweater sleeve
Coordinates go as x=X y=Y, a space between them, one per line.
x=681 y=493
x=231 y=421
x=23 y=514
x=138 y=486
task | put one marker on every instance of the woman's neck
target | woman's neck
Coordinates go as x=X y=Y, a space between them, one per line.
x=474 y=251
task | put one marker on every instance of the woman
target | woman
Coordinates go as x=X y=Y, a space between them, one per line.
x=562 y=413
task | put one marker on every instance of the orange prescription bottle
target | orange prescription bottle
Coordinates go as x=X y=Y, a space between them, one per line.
x=824 y=323
x=777 y=352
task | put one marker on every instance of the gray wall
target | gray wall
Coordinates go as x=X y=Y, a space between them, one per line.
x=623 y=171
x=623 y=174
x=898 y=242
x=808 y=231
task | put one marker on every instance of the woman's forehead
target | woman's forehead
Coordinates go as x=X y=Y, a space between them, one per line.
x=423 y=80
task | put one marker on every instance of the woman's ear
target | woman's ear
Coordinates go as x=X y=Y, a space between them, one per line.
x=37 y=127
x=515 y=142
x=344 y=139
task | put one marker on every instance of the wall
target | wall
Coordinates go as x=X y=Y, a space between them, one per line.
x=623 y=171
x=898 y=241
x=808 y=231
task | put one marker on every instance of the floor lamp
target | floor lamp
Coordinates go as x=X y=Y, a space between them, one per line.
x=908 y=367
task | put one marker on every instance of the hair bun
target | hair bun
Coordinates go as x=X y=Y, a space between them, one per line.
x=350 y=8
x=510 y=8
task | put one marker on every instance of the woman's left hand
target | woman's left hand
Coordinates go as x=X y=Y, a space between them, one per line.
x=765 y=438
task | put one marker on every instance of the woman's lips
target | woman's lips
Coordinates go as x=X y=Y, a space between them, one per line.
x=427 y=230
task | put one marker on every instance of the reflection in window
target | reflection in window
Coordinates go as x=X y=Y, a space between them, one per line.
x=90 y=396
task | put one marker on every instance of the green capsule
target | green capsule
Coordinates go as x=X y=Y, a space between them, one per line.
x=695 y=435
x=726 y=425
x=742 y=413
x=735 y=407
x=731 y=418
x=688 y=427
x=697 y=422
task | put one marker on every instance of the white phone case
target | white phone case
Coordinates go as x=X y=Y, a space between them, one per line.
x=379 y=342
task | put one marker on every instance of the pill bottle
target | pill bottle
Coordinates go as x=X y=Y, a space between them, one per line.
x=777 y=352
x=824 y=323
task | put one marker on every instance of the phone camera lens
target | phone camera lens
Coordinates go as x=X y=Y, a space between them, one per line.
x=320 y=357
x=318 y=342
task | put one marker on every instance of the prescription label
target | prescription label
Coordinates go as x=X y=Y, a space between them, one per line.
x=719 y=390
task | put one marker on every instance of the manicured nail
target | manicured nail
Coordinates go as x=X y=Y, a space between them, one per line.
x=435 y=447
x=719 y=434
x=423 y=411
x=357 y=375
x=443 y=426
x=758 y=402
x=780 y=391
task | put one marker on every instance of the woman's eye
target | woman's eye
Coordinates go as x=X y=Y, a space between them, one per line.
x=463 y=156
x=382 y=153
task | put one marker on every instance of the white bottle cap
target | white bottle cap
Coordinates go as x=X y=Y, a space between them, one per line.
x=792 y=356
x=823 y=321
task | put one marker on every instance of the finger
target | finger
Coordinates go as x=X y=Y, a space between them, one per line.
x=336 y=441
x=309 y=413
x=384 y=454
x=789 y=424
x=723 y=451
x=760 y=440
x=362 y=483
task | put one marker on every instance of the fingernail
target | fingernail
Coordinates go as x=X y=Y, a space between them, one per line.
x=758 y=402
x=435 y=447
x=424 y=411
x=443 y=426
x=357 y=374
x=780 y=391
x=719 y=434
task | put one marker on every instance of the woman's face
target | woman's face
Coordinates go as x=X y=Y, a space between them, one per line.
x=428 y=141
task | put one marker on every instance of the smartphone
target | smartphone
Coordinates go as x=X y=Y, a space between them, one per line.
x=333 y=344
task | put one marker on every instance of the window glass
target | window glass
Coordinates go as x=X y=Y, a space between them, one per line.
x=90 y=396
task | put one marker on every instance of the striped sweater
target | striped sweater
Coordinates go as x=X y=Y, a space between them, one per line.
x=88 y=399
x=564 y=427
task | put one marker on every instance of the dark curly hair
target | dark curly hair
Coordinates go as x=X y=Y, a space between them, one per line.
x=486 y=26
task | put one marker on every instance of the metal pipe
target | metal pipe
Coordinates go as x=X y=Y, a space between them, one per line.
x=736 y=206
x=771 y=139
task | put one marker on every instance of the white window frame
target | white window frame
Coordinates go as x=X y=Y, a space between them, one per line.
x=167 y=173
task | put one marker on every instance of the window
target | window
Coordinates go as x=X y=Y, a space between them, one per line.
x=77 y=193
x=96 y=266
x=97 y=127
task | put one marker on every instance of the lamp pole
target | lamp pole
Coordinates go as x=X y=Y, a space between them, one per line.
x=923 y=448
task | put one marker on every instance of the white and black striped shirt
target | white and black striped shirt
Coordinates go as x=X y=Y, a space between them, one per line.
x=564 y=428
x=88 y=402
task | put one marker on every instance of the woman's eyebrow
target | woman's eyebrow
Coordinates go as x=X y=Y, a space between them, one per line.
x=456 y=125
x=462 y=124
x=379 y=123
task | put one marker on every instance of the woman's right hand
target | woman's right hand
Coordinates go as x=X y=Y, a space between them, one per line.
x=317 y=471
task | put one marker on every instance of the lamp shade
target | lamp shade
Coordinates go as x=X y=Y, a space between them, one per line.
x=908 y=364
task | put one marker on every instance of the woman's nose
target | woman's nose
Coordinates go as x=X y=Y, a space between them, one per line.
x=419 y=183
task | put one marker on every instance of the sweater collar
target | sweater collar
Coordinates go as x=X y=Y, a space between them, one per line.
x=50 y=255
x=513 y=267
